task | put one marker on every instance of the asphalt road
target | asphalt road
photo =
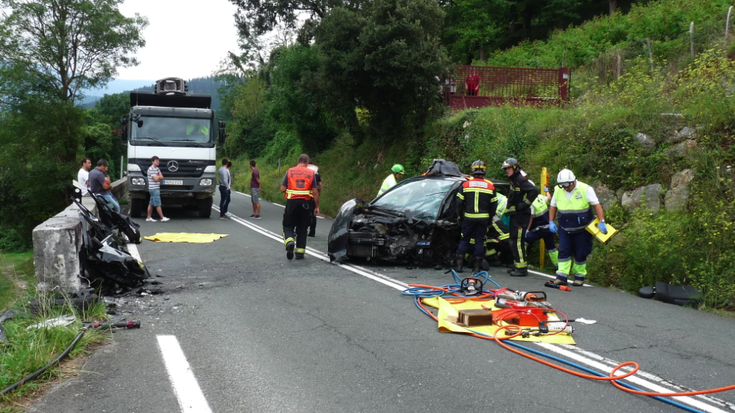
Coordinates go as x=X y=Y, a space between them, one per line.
x=239 y=328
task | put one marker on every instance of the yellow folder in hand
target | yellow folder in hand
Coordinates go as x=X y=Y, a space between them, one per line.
x=603 y=238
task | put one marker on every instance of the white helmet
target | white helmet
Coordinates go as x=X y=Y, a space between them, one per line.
x=565 y=176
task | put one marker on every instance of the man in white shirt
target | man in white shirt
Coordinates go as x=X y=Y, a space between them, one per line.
x=83 y=175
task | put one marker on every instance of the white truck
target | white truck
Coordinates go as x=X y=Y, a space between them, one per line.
x=182 y=131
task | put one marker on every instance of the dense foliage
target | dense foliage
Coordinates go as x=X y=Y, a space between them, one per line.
x=51 y=49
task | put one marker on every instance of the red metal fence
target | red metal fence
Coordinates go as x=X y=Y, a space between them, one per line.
x=480 y=86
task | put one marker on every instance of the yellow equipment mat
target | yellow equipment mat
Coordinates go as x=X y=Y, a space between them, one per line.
x=185 y=237
x=448 y=313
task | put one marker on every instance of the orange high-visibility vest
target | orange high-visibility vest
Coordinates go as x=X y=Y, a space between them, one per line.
x=300 y=180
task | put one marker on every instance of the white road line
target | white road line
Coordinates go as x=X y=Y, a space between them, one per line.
x=588 y=358
x=552 y=276
x=249 y=196
x=133 y=250
x=635 y=379
x=322 y=256
x=190 y=396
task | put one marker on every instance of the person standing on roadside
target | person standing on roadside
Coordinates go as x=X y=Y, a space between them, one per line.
x=225 y=189
x=391 y=180
x=101 y=186
x=312 y=226
x=255 y=190
x=298 y=187
x=522 y=194
x=154 y=188
x=83 y=175
x=574 y=205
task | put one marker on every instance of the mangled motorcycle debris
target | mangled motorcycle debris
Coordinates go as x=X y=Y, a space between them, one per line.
x=105 y=263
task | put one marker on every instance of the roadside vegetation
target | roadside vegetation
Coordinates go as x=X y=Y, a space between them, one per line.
x=632 y=73
x=25 y=351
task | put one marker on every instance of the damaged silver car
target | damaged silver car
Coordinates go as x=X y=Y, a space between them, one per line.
x=415 y=222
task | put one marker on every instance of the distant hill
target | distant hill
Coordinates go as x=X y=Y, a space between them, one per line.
x=200 y=85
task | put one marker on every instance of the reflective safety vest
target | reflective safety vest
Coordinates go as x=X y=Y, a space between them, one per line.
x=388 y=183
x=540 y=212
x=300 y=180
x=574 y=213
x=502 y=202
x=478 y=195
x=202 y=129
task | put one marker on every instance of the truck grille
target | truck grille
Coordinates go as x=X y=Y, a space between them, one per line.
x=186 y=168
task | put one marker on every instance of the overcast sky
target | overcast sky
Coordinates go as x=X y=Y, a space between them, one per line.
x=184 y=38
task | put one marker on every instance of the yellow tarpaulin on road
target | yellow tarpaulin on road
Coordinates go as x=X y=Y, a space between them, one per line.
x=185 y=237
x=448 y=313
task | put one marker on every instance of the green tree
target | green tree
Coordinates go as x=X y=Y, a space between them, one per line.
x=248 y=133
x=257 y=17
x=51 y=49
x=36 y=171
x=101 y=130
x=475 y=25
x=112 y=108
x=296 y=98
x=69 y=45
x=386 y=60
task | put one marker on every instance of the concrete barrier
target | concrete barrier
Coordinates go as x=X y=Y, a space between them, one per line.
x=57 y=242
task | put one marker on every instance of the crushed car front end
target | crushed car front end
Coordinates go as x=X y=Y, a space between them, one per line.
x=414 y=222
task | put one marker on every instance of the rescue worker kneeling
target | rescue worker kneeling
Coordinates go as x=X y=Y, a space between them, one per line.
x=299 y=187
x=478 y=201
x=538 y=229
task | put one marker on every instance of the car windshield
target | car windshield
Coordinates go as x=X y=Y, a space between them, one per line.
x=422 y=198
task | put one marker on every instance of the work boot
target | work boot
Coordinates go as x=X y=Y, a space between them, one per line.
x=494 y=262
x=459 y=262
x=289 y=249
x=478 y=265
x=299 y=255
x=519 y=272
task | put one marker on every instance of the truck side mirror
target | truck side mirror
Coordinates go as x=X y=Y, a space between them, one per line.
x=124 y=129
x=222 y=134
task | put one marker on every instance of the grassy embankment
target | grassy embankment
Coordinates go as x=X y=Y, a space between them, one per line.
x=596 y=136
x=28 y=350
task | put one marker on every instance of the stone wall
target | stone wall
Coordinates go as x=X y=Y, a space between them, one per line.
x=57 y=242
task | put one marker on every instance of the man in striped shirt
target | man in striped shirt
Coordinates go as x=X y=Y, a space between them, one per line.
x=154 y=187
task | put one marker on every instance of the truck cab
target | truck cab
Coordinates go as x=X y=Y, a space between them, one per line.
x=182 y=131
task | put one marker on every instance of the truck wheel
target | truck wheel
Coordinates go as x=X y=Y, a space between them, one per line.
x=136 y=206
x=205 y=208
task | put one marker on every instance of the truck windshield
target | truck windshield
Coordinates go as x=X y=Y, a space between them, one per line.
x=169 y=131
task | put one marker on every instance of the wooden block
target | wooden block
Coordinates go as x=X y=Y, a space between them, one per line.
x=472 y=318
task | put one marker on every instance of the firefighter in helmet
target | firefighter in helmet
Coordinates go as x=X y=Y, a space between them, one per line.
x=477 y=199
x=522 y=194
